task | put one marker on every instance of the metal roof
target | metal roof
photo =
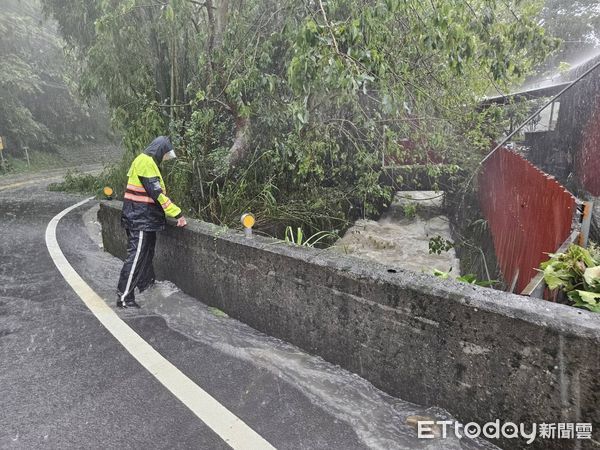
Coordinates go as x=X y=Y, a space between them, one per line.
x=528 y=94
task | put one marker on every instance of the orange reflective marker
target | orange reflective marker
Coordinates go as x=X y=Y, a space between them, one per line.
x=108 y=192
x=248 y=221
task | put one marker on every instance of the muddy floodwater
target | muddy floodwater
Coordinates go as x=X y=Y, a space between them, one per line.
x=400 y=238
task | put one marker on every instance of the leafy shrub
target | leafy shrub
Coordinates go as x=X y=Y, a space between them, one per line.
x=577 y=274
x=78 y=182
x=410 y=210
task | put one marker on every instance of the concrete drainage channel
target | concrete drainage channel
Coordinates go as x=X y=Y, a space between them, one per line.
x=481 y=354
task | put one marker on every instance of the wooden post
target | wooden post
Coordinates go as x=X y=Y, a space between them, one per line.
x=384 y=140
x=2 y=161
x=27 y=155
x=586 y=221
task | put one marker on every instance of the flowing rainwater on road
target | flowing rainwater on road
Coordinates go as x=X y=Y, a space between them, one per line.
x=379 y=419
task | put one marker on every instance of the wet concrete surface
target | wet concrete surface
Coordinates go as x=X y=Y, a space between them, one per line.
x=66 y=382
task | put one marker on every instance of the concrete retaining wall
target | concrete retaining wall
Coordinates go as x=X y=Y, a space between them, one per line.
x=479 y=353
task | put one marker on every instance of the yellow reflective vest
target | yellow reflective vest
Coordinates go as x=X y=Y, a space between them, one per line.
x=145 y=202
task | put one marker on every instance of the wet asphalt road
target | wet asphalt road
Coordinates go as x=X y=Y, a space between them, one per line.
x=65 y=382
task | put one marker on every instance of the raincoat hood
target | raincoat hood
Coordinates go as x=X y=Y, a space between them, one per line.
x=158 y=148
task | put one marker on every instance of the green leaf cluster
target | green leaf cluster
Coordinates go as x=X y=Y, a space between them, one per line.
x=577 y=273
x=439 y=244
x=468 y=278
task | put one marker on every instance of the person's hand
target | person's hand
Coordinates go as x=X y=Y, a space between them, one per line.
x=181 y=222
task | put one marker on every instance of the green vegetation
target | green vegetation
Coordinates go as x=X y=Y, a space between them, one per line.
x=410 y=210
x=78 y=182
x=38 y=109
x=577 y=24
x=576 y=273
x=469 y=278
x=439 y=244
x=39 y=160
x=298 y=238
x=283 y=107
x=217 y=312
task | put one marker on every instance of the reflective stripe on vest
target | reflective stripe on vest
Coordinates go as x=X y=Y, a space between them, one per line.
x=138 y=198
x=137 y=194
x=133 y=187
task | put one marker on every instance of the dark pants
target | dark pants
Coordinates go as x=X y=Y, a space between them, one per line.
x=137 y=270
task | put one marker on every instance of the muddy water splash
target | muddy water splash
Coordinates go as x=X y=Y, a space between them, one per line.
x=402 y=241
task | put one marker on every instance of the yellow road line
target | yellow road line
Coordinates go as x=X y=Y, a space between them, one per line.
x=15 y=185
x=38 y=180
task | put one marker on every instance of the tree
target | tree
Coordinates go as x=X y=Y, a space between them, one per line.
x=37 y=108
x=287 y=105
x=576 y=24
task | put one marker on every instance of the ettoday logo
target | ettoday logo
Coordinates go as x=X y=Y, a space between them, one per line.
x=430 y=429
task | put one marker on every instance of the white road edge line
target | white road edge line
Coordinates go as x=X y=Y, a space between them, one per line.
x=229 y=427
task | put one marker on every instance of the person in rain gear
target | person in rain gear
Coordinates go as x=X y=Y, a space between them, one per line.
x=145 y=208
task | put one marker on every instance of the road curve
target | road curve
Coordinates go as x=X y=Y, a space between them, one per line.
x=66 y=382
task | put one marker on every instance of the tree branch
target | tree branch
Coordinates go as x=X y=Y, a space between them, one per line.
x=329 y=27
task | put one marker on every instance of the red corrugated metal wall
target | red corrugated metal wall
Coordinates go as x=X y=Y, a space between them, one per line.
x=529 y=214
x=588 y=160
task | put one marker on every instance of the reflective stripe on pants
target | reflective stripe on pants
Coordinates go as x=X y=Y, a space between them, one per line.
x=137 y=269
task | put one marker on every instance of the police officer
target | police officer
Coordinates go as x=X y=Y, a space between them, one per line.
x=145 y=208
